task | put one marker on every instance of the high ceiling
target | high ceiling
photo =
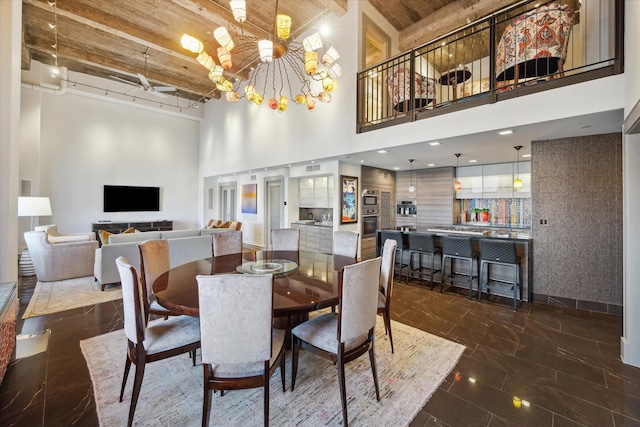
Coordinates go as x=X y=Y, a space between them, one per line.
x=108 y=38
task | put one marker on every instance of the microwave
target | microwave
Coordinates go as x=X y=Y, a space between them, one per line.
x=369 y=198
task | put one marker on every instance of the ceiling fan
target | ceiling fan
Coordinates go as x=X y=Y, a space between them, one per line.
x=144 y=83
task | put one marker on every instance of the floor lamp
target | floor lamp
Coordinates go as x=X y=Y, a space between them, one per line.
x=31 y=206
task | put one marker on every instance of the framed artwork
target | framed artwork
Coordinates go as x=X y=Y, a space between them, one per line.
x=250 y=198
x=349 y=202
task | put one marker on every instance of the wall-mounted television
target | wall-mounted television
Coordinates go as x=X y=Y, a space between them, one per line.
x=123 y=198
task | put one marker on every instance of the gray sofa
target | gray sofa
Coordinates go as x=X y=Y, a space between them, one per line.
x=184 y=246
x=59 y=261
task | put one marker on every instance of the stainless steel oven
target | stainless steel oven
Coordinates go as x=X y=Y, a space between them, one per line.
x=369 y=225
x=370 y=198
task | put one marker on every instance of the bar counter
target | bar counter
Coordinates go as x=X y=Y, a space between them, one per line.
x=524 y=248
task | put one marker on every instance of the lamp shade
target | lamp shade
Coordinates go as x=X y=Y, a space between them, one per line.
x=312 y=42
x=283 y=26
x=225 y=58
x=34 y=206
x=330 y=56
x=191 y=43
x=239 y=9
x=311 y=62
x=265 y=47
x=206 y=60
x=221 y=34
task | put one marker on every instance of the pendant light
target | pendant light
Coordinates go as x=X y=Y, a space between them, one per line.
x=517 y=183
x=411 y=187
x=457 y=186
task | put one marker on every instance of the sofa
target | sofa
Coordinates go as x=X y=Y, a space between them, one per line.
x=184 y=246
x=60 y=261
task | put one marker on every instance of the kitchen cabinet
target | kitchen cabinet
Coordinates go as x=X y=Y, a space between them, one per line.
x=316 y=192
x=494 y=181
x=315 y=238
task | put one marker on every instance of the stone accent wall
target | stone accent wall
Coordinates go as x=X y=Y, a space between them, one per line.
x=577 y=189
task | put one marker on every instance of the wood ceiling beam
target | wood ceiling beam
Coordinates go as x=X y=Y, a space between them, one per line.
x=447 y=19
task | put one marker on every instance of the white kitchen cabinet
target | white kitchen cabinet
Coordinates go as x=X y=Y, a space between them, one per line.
x=470 y=178
x=316 y=192
x=494 y=181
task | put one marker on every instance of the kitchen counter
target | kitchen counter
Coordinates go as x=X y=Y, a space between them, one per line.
x=314 y=223
x=504 y=233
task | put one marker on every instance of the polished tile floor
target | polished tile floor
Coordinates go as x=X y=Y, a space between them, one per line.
x=540 y=366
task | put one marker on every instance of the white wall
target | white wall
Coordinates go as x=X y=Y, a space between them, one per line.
x=85 y=143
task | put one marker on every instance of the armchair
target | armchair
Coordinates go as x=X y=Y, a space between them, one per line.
x=61 y=260
x=54 y=236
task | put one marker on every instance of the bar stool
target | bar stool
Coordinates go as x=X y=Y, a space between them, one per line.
x=400 y=248
x=499 y=253
x=459 y=248
x=422 y=244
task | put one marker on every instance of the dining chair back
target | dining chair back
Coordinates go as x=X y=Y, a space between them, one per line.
x=285 y=239
x=240 y=348
x=344 y=336
x=386 y=285
x=345 y=243
x=227 y=243
x=154 y=261
x=149 y=341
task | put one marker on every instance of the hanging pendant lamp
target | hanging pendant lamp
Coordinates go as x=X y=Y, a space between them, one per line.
x=411 y=187
x=457 y=186
x=517 y=183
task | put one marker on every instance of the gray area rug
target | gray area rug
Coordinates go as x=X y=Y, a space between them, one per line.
x=61 y=295
x=171 y=393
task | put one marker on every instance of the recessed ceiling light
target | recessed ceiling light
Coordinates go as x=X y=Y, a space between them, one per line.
x=266 y=169
x=431 y=165
x=396 y=168
x=473 y=161
x=382 y=151
x=361 y=161
x=526 y=155
x=506 y=132
x=313 y=161
x=434 y=143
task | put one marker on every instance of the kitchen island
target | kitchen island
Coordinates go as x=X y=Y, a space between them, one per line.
x=522 y=239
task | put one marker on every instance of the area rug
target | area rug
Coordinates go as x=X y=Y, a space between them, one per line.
x=171 y=391
x=61 y=295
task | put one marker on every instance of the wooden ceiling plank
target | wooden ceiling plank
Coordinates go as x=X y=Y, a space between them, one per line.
x=445 y=20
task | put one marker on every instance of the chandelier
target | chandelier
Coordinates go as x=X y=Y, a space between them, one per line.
x=281 y=68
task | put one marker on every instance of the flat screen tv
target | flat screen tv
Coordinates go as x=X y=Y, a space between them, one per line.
x=123 y=198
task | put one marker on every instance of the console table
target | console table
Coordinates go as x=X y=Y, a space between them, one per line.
x=119 y=227
x=8 y=318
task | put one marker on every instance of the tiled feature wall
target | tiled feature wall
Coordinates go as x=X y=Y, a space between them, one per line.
x=511 y=213
x=577 y=190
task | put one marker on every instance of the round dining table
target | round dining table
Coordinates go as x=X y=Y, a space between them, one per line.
x=307 y=281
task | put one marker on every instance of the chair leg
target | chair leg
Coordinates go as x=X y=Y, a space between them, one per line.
x=265 y=382
x=137 y=382
x=294 y=361
x=343 y=387
x=372 y=360
x=127 y=366
x=206 y=401
x=282 y=370
x=481 y=279
x=387 y=324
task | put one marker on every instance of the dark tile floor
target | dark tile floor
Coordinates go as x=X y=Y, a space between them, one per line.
x=562 y=364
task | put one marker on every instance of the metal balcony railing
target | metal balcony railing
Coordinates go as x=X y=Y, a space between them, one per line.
x=529 y=47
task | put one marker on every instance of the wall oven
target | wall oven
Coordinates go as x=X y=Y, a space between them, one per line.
x=369 y=225
x=370 y=198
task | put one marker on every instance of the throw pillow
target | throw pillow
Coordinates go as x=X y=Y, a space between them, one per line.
x=104 y=235
x=223 y=225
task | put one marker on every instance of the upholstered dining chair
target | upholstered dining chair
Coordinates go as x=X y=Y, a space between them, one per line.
x=240 y=348
x=345 y=243
x=344 y=336
x=285 y=239
x=150 y=341
x=154 y=261
x=386 y=285
x=227 y=243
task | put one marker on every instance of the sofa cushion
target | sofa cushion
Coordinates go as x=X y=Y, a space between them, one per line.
x=134 y=237
x=105 y=235
x=172 y=234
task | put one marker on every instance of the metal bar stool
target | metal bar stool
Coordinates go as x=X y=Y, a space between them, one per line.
x=397 y=236
x=459 y=248
x=422 y=244
x=494 y=252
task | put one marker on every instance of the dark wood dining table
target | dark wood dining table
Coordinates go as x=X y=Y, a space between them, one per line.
x=312 y=286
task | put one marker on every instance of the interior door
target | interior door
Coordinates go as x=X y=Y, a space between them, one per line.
x=228 y=202
x=274 y=207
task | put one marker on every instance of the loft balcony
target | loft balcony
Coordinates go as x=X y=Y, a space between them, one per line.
x=530 y=47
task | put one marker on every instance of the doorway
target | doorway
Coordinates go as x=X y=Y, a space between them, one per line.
x=274 y=207
x=228 y=201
